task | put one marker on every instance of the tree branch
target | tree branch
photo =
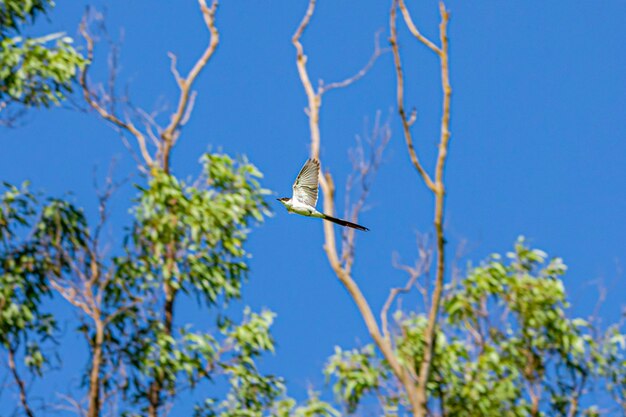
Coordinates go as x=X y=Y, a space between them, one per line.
x=91 y=99
x=414 y=31
x=421 y=267
x=20 y=383
x=185 y=84
x=436 y=185
x=323 y=88
x=353 y=289
x=315 y=100
x=406 y=121
x=439 y=191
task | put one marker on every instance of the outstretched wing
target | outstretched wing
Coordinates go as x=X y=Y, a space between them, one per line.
x=305 y=187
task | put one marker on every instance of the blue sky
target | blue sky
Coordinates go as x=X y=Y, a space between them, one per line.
x=538 y=141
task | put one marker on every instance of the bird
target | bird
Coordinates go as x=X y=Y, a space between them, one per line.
x=304 y=196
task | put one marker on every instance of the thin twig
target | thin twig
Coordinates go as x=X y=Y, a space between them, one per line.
x=177 y=77
x=71 y=296
x=192 y=102
x=92 y=100
x=406 y=121
x=364 y=170
x=74 y=405
x=151 y=125
x=378 y=51
x=414 y=273
x=20 y=383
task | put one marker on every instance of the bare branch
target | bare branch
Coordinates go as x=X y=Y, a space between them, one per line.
x=192 y=102
x=113 y=64
x=92 y=98
x=185 y=84
x=323 y=88
x=447 y=92
x=151 y=126
x=71 y=296
x=9 y=117
x=436 y=185
x=104 y=194
x=315 y=100
x=406 y=122
x=363 y=170
x=74 y=405
x=421 y=267
x=124 y=308
x=414 y=31
x=439 y=191
x=315 y=97
x=132 y=152
x=575 y=399
x=177 y=77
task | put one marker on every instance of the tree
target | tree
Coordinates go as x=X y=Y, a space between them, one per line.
x=115 y=297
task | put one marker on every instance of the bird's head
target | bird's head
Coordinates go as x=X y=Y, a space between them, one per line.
x=283 y=200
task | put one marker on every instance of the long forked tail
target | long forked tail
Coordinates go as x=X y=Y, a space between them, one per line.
x=345 y=223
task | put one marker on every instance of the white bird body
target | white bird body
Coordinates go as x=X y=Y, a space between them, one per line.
x=304 y=196
x=295 y=206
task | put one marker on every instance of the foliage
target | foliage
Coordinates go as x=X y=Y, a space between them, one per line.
x=14 y=13
x=506 y=346
x=610 y=362
x=37 y=72
x=192 y=235
x=23 y=324
x=357 y=373
x=34 y=72
x=313 y=406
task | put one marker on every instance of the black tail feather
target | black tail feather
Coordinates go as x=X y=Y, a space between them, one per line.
x=345 y=223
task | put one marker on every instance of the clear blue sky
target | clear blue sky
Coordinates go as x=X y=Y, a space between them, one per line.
x=538 y=141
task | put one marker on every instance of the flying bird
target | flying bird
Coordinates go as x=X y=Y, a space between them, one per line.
x=304 y=196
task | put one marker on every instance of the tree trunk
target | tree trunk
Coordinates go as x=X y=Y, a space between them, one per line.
x=94 y=377
x=154 y=393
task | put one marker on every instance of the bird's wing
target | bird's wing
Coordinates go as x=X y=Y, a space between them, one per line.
x=305 y=187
